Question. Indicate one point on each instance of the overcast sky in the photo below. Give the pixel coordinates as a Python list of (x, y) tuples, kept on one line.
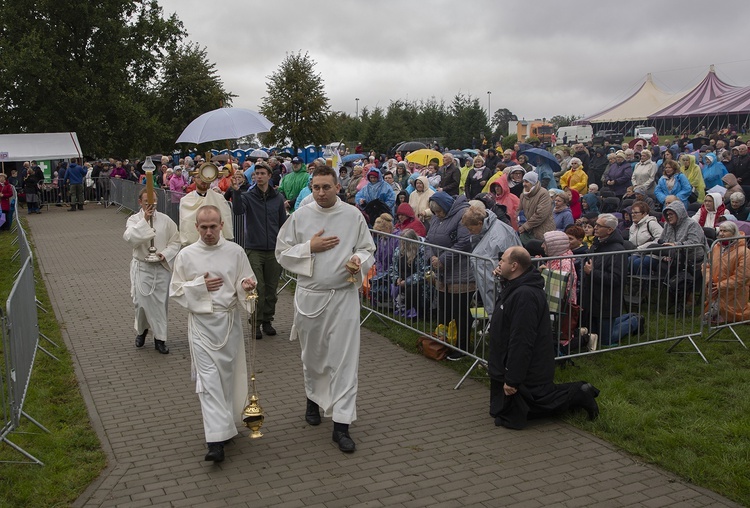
[(555, 58)]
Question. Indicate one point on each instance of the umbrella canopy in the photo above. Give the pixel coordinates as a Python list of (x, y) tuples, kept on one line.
[(459, 154), (224, 123), (699, 142), (471, 151), (222, 157), (635, 141), (410, 146), (258, 154), (353, 157), (424, 156), (537, 155)]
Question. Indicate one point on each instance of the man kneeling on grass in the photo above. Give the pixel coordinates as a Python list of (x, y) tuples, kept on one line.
[(522, 352)]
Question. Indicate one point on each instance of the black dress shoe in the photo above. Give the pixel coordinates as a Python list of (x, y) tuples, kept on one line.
[(140, 340), (161, 346), (215, 452), (258, 334), (312, 413), (344, 441), (268, 329), (589, 404)]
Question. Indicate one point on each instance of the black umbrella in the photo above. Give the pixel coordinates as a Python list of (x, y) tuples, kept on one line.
[(459, 154), (699, 142), (410, 146)]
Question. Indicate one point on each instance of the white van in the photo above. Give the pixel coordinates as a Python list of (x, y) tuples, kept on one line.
[(574, 134), (644, 132)]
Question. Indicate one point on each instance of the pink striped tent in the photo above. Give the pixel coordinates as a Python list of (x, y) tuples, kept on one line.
[(704, 93), (735, 102)]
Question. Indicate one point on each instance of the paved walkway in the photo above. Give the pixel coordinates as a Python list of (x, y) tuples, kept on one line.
[(419, 442)]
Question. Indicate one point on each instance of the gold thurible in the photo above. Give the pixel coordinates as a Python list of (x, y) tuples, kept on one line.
[(253, 414)]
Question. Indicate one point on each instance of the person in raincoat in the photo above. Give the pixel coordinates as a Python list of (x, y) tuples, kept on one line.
[(713, 171), (376, 188), (420, 198), (727, 276), (692, 171), (498, 186), (576, 177), (293, 183)]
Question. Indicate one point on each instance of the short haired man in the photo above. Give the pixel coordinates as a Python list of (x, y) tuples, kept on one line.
[(601, 285), (149, 282), (522, 353), (327, 244), (265, 213), (210, 279)]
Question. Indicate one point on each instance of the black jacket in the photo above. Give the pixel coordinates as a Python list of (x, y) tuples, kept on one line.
[(601, 290), (451, 180), (521, 348), (472, 186), (264, 216)]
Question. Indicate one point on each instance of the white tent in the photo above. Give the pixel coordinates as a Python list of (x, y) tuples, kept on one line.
[(47, 146), (645, 102)]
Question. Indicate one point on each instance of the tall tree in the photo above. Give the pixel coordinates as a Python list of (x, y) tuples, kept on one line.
[(189, 86), (467, 120), (296, 103), (500, 120), (82, 66), (563, 121)]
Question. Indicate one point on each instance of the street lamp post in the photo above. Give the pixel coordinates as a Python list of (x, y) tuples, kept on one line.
[(489, 108), (356, 114)]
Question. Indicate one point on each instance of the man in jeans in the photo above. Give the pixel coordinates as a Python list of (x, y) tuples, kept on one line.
[(264, 213)]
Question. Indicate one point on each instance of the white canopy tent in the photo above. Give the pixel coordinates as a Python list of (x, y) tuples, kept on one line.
[(46, 146)]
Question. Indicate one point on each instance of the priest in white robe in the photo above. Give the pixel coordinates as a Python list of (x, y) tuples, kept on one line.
[(149, 282), (326, 243), (191, 202), (210, 279)]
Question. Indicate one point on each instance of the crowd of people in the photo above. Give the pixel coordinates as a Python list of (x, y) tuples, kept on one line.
[(436, 235)]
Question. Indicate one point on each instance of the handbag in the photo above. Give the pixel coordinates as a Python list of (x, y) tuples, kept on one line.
[(432, 349)]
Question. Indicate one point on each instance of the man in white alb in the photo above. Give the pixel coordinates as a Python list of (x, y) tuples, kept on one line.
[(149, 282), (191, 203), (325, 243), (210, 280)]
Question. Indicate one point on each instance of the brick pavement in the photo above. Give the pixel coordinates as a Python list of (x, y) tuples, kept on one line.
[(419, 442)]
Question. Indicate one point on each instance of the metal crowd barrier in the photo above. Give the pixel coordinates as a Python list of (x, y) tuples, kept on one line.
[(650, 306), (726, 276), (20, 331)]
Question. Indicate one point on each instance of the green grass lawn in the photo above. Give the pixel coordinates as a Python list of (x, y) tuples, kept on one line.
[(671, 410), (72, 454)]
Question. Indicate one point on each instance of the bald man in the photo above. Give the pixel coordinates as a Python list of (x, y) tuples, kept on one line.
[(522, 352)]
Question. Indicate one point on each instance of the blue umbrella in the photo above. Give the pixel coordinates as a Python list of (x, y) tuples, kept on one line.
[(471, 151), (535, 156), (353, 157)]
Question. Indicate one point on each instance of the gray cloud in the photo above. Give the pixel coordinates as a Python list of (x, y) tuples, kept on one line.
[(538, 60)]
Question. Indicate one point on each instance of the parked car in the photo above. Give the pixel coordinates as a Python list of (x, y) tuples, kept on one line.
[(644, 132), (613, 137)]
